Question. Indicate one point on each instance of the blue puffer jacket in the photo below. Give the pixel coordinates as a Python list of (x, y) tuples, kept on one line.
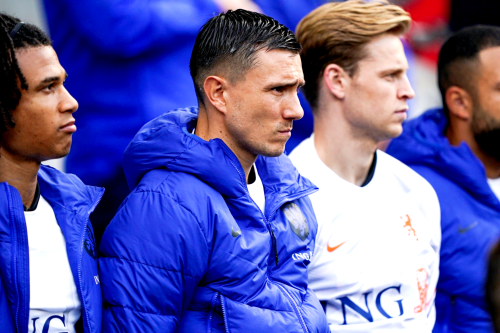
[(189, 251), (72, 203), (470, 220)]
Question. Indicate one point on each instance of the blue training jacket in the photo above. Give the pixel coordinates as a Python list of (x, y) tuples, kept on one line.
[(189, 251), (72, 203), (470, 220)]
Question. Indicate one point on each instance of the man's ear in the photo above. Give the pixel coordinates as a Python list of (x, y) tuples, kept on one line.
[(215, 88), (334, 77), (459, 103)]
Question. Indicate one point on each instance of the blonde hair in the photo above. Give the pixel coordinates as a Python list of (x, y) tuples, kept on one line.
[(337, 33)]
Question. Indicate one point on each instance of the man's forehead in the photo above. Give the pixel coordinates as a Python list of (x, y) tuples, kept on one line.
[(489, 57), (278, 62), (386, 50), (37, 63)]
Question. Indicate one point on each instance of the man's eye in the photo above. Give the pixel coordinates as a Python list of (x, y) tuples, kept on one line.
[(390, 77), (279, 89), (49, 87)]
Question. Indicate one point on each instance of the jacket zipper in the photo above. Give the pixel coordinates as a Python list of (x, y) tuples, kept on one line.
[(80, 288), (449, 311), (275, 209), (274, 240), (223, 307), (19, 242), (209, 324), (294, 305)]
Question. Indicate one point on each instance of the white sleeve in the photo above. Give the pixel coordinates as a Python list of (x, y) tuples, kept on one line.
[(433, 210)]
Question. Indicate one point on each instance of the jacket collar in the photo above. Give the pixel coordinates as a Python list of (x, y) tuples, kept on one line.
[(67, 192), (167, 142), (423, 142)]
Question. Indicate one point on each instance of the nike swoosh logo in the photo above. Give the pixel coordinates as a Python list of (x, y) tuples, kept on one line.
[(331, 249), (464, 230), (235, 233)]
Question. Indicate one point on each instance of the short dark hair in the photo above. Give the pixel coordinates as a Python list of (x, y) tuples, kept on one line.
[(458, 57), (229, 41), (26, 36)]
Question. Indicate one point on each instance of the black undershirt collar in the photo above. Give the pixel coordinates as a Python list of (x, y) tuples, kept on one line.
[(34, 204), (371, 171), (252, 177)]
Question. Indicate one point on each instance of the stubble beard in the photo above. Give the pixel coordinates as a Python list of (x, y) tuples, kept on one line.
[(486, 130)]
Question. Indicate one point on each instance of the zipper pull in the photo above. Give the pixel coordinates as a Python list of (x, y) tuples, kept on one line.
[(275, 246)]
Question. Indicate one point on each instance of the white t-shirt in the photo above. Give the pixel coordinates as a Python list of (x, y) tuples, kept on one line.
[(54, 301), (495, 186), (256, 190), (376, 259)]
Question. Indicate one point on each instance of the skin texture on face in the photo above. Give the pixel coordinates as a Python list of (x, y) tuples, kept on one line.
[(43, 118), (485, 124), (376, 96), (261, 108)]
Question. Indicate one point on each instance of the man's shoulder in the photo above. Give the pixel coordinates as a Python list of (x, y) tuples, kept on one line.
[(414, 173), (405, 176), (302, 149), (181, 187), (305, 158)]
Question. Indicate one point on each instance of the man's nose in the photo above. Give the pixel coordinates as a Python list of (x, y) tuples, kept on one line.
[(293, 110), (406, 91), (68, 103)]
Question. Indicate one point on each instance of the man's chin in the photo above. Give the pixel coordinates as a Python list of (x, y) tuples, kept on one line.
[(53, 155), (272, 152), (488, 142)]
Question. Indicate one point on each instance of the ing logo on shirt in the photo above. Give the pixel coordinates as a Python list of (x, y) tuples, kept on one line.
[(297, 220), (407, 225), (89, 243)]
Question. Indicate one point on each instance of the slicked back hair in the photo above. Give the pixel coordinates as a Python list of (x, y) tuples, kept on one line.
[(337, 33), (458, 62), (228, 44), (11, 77)]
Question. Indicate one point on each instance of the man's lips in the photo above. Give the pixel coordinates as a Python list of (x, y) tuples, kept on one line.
[(287, 131), (402, 113), (68, 127)]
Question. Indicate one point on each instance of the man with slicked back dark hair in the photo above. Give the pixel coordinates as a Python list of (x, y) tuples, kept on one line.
[(457, 149), (48, 265), (218, 231), (230, 44)]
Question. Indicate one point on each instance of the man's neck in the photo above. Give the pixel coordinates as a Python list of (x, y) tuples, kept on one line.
[(345, 153), (213, 130), (463, 134), (21, 174)]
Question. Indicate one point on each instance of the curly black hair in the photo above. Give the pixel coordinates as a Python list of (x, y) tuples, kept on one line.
[(11, 77)]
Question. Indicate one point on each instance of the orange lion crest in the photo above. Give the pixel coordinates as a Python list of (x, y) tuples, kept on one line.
[(409, 227)]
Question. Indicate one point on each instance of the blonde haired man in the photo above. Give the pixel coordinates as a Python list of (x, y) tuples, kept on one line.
[(376, 260)]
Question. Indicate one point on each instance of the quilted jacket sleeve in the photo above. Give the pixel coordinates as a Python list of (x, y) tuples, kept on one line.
[(153, 254)]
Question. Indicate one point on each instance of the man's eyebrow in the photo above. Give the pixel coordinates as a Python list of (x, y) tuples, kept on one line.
[(50, 79), (289, 84), (395, 70)]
